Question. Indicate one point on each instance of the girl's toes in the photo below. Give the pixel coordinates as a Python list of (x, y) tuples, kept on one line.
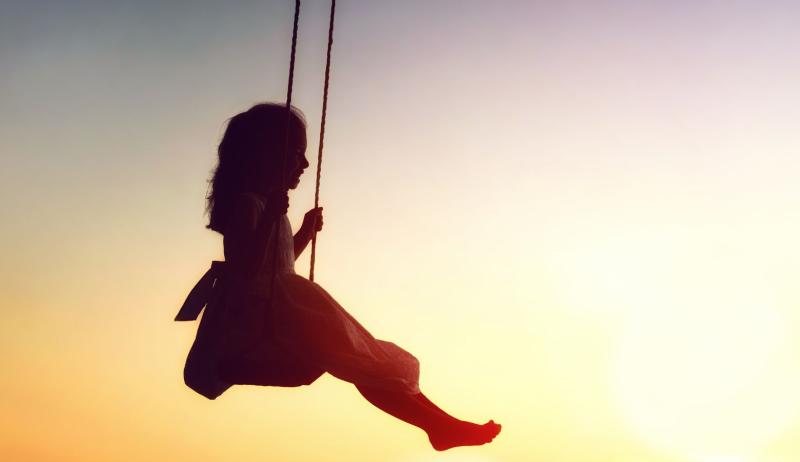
[(492, 429)]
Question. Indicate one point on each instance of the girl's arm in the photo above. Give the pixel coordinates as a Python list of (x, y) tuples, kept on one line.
[(312, 223)]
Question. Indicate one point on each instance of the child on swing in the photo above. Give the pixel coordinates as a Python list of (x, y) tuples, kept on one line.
[(265, 325)]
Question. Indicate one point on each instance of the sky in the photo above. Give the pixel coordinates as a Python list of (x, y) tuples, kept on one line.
[(581, 216)]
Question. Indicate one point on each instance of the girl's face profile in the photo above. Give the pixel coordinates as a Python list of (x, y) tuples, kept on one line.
[(268, 154), (296, 161)]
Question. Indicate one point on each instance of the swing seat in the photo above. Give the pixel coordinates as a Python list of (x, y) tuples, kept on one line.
[(268, 367), (210, 375)]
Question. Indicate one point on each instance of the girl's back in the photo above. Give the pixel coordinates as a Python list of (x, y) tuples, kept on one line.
[(249, 242)]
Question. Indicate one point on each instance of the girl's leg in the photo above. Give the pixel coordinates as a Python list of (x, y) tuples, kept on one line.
[(444, 431), (407, 408), (429, 404)]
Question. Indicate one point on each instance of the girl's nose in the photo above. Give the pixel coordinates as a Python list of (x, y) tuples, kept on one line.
[(304, 163)]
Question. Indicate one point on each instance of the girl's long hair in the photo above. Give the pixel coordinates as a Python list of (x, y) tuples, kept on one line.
[(250, 157)]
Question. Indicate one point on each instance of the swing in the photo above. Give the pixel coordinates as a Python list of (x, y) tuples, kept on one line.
[(266, 365), (263, 329)]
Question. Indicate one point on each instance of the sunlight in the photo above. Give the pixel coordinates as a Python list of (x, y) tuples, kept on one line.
[(698, 367), (722, 459), (703, 357), (447, 457)]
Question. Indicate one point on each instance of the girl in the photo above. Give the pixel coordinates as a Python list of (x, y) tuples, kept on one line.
[(266, 325)]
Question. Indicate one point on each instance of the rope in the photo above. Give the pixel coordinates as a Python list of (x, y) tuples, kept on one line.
[(322, 132), (277, 224), (289, 94)]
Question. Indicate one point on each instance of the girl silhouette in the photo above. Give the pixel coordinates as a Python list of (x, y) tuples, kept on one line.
[(265, 325)]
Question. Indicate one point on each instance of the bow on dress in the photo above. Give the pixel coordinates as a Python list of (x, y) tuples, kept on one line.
[(202, 292)]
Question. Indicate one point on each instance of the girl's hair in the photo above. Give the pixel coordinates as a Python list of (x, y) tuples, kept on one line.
[(251, 154)]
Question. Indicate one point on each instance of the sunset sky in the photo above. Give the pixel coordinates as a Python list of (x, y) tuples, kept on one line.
[(581, 216)]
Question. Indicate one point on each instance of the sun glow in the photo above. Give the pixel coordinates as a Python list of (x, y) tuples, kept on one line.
[(701, 363), (723, 459), (581, 217), (445, 457)]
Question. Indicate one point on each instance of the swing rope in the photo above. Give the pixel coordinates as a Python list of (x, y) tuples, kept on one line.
[(322, 133), (326, 86), (276, 226), (290, 85)]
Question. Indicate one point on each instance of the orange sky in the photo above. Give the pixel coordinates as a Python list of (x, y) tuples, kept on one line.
[(580, 216)]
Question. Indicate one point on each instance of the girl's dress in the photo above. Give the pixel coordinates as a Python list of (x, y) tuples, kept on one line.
[(246, 337)]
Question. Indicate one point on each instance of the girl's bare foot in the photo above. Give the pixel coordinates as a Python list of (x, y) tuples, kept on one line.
[(463, 434)]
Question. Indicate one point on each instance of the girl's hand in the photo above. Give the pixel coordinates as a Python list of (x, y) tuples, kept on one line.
[(312, 221)]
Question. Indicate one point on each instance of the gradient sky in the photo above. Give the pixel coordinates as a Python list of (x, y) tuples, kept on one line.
[(580, 215)]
